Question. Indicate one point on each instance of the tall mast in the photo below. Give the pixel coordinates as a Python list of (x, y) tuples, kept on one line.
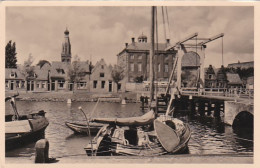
[(152, 57)]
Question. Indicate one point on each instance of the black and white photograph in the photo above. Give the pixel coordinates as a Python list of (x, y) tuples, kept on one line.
[(153, 84)]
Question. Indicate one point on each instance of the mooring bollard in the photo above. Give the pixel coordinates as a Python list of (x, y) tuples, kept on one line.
[(42, 151)]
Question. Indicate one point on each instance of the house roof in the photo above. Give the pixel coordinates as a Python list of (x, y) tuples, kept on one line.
[(146, 46), (41, 74), (190, 59), (17, 72), (59, 69), (136, 46), (233, 78)]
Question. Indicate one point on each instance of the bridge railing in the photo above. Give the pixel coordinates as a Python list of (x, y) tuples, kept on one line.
[(227, 92)]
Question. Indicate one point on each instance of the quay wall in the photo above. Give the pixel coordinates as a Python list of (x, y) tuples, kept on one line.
[(76, 97)]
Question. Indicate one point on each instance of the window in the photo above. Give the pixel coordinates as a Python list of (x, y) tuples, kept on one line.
[(102, 75), (17, 84), (139, 67), (12, 75), (94, 84), (132, 67), (210, 76), (82, 85), (61, 83), (38, 84), (43, 85), (22, 84), (6, 83), (159, 67), (103, 84), (132, 56), (139, 57), (102, 66), (166, 68)]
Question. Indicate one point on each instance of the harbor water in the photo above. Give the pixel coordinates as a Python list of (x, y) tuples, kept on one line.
[(209, 135)]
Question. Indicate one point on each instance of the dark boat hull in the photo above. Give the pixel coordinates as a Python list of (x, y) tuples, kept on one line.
[(17, 140), (83, 129), (29, 128)]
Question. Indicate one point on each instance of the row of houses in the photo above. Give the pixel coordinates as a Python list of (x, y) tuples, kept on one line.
[(56, 77), (218, 78)]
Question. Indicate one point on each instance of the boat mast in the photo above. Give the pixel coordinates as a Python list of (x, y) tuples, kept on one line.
[(152, 57)]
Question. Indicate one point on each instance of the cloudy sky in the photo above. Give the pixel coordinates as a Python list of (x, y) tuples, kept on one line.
[(101, 32)]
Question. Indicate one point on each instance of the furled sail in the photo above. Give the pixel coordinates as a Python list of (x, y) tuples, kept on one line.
[(133, 121)]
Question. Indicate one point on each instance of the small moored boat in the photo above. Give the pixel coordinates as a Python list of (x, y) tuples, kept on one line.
[(20, 129), (80, 128)]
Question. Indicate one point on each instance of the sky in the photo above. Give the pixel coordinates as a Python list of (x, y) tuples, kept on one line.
[(101, 32)]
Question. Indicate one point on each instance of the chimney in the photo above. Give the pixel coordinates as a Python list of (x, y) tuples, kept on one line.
[(126, 44), (133, 39)]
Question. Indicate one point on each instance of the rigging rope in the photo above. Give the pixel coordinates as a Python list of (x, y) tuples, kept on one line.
[(164, 27), (168, 22), (222, 50)]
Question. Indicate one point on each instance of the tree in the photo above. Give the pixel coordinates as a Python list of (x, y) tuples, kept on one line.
[(76, 72), (10, 55), (43, 62), (28, 69), (117, 74)]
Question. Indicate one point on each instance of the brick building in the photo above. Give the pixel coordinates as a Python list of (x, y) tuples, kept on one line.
[(135, 59)]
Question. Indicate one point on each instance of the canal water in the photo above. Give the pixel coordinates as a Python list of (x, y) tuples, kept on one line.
[(209, 135)]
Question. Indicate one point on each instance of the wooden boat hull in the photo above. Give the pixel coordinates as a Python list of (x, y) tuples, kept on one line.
[(106, 147), (83, 128), (29, 129)]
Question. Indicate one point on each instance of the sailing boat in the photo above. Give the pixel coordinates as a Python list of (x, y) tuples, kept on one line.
[(147, 135)]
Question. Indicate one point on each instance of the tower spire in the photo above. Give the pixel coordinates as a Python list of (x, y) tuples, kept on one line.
[(66, 48)]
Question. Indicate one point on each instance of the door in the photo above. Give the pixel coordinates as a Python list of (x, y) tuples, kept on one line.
[(71, 86), (28, 85), (52, 86), (32, 86), (110, 86), (12, 85)]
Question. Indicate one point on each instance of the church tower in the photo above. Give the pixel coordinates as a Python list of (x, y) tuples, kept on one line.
[(66, 48)]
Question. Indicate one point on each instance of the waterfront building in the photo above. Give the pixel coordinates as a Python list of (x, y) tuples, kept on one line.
[(41, 80), (14, 80), (134, 58), (101, 79)]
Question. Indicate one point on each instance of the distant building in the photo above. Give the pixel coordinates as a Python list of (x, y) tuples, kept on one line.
[(101, 79), (210, 77), (241, 65), (218, 78), (234, 80), (250, 83), (135, 59)]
